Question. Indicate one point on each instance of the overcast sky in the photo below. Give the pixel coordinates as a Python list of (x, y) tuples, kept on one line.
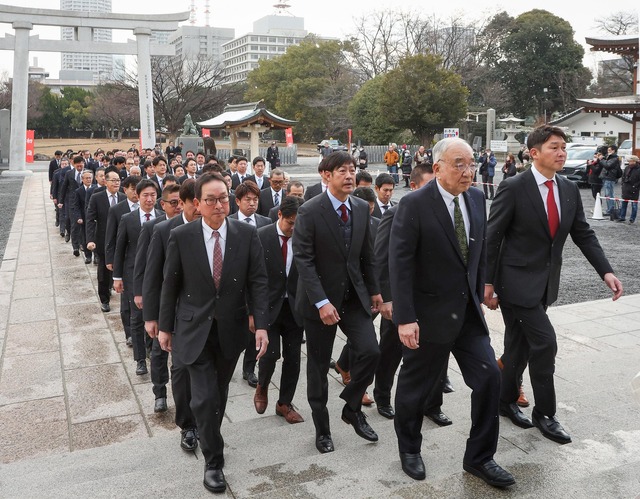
[(326, 17)]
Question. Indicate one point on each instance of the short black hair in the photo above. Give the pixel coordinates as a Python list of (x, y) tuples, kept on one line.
[(384, 178), (78, 159), (205, 179), (365, 193), (169, 189), (257, 159), (289, 206), (242, 158), (541, 134), (143, 184), (294, 183), (419, 171), (188, 190), (133, 180), (247, 187), (363, 175), (335, 160), (157, 160), (169, 178)]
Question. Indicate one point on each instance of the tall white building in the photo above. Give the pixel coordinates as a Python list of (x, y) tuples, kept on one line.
[(270, 38), (192, 42), (100, 65)]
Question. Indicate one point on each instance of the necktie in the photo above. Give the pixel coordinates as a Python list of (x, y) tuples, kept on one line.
[(343, 213), (113, 200), (217, 259), (276, 199), (552, 209), (241, 178), (385, 206), (248, 220), (461, 233), (78, 178), (285, 248), (135, 206), (147, 216)]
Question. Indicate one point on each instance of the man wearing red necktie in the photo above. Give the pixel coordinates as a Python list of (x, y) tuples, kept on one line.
[(531, 217)]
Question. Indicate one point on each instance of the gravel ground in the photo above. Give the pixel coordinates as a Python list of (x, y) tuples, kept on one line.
[(10, 188), (579, 282)]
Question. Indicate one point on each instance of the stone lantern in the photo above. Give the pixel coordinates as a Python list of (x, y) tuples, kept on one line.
[(511, 128)]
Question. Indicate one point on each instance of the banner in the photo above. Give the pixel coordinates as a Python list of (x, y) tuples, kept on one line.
[(206, 133), (349, 137), (30, 145), (140, 137), (288, 133)]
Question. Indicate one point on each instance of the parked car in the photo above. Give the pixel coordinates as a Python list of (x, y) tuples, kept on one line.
[(336, 145), (624, 150), (575, 168)]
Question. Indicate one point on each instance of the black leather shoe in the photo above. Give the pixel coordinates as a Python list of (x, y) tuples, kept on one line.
[(105, 307), (439, 418), (142, 368), (413, 465), (87, 260), (386, 411), (129, 342), (67, 237), (214, 480), (76, 252), (160, 405), (189, 439), (491, 473), (324, 443), (358, 420), (252, 379), (447, 387), (517, 417), (550, 428)]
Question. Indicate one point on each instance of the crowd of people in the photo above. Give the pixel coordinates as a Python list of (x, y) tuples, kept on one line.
[(215, 263)]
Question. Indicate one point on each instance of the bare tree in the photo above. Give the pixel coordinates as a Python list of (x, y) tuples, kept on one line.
[(115, 107)]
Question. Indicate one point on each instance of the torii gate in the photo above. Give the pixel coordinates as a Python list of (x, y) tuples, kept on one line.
[(23, 19)]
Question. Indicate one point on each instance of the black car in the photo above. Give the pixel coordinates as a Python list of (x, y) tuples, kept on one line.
[(576, 168)]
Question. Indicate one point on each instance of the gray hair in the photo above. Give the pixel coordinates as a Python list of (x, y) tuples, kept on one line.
[(443, 145)]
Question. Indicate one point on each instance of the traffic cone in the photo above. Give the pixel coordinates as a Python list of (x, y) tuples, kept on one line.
[(597, 209)]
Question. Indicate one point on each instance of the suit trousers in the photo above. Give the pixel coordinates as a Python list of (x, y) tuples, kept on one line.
[(77, 235), (422, 368), (529, 338), (159, 370), (136, 325), (356, 324), (249, 360), (284, 328), (105, 280), (125, 313), (181, 389), (210, 375)]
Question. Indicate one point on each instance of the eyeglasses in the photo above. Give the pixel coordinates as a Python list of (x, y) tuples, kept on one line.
[(114, 181), (173, 202), (462, 168), (214, 201)]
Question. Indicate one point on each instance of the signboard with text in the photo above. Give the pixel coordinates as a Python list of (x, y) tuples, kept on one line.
[(206, 133), (451, 132), (288, 133), (499, 145), (30, 145)]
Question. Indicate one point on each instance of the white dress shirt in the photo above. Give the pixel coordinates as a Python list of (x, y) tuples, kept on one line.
[(544, 190), (209, 240), (448, 201)]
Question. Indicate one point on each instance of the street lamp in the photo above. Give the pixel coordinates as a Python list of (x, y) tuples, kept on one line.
[(544, 102)]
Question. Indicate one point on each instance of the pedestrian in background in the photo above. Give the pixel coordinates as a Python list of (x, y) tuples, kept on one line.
[(630, 189)]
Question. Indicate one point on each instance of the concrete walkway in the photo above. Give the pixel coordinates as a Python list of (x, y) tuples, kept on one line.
[(77, 422)]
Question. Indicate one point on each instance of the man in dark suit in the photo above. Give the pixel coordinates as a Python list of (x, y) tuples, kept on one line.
[(241, 173), (79, 204), (54, 192), (436, 273), (100, 204), (271, 196), (71, 181), (151, 287), (531, 216), (294, 188), (247, 196), (318, 188), (214, 281), (334, 256), (170, 205), (283, 321), (124, 265), (261, 181), (190, 168), (54, 164), (384, 186)]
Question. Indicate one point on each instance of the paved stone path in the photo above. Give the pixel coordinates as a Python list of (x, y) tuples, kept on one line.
[(76, 421)]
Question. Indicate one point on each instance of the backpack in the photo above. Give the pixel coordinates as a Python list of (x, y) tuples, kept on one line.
[(618, 171)]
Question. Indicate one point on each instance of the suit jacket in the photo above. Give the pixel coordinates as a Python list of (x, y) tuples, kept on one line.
[(519, 245), (67, 186), (153, 276), (233, 206), (124, 258), (430, 283), (79, 202), (56, 183), (113, 220), (54, 164), (266, 201), (273, 213), (325, 266), (140, 264), (190, 301), (235, 180), (183, 178), (377, 211), (381, 252), (279, 282), (97, 216), (260, 220), (313, 191), (265, 182)]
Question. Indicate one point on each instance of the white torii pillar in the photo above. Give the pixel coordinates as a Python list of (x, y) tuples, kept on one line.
[(145, 88), (19, 95)]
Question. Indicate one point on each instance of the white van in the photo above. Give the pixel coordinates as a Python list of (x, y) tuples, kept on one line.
[(624, 150)]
